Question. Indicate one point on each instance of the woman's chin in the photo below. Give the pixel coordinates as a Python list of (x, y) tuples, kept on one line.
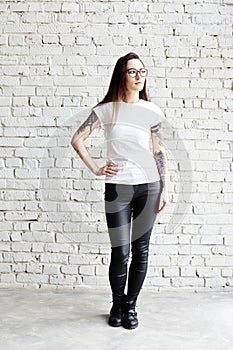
[(138, 87)]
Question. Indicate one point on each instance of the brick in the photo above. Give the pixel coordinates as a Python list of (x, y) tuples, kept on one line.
[(21, 247), (200, 8), (156, 281), (34, 268), (85, 259), (101, 271), (212, 240), (188, 271), (137, 7), (227, 272), (19, 195), (170, 271), (187, 281), (4, 101), (87, 270), (15, 40), (207, 271), (69, 270), (50, 269), (215, 282), (219, 261), (31, 278), (8, 278), (54, 258)]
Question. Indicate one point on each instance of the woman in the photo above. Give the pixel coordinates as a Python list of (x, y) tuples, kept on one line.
[(135, 182)]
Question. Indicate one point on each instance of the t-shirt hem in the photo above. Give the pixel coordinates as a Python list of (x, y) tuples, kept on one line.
[(132, 183)]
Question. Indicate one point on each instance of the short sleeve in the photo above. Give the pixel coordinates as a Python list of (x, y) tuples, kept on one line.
[(98, 113), (158, 116), (102, 112)]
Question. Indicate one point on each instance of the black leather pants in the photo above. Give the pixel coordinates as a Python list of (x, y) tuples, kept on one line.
[(130, 214)]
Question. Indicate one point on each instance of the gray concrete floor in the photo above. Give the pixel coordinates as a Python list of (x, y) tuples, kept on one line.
[(67, 320)]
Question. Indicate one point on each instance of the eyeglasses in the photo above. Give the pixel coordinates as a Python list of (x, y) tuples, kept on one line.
[(133, 72)]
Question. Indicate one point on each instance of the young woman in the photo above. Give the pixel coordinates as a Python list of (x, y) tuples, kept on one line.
[(135, 179)]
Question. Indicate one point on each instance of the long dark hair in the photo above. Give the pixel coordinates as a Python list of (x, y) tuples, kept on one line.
[(116, 90)]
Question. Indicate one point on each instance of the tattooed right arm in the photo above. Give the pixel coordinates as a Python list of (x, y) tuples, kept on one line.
[(80, 136), (86, 128)]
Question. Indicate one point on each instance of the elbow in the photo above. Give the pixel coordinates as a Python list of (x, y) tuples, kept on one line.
[(77, 145), (74, 144)]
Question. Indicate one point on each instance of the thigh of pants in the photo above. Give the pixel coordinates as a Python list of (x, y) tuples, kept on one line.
[(130, 204)]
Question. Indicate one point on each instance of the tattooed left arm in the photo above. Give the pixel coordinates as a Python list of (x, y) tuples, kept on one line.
[(160, 157)]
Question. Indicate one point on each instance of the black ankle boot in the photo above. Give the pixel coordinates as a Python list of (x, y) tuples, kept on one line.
[(130, 320), (116, 312)]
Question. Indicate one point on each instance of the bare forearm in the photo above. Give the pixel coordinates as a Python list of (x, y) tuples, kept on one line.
[(82, 151)]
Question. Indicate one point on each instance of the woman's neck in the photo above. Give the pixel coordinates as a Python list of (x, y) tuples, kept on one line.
[(131, 98)]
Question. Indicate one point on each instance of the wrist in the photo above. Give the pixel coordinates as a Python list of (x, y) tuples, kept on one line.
[(164, 189), (96, 171)]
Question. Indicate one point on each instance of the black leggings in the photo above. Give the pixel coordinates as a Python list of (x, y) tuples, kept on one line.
[(122, 204)]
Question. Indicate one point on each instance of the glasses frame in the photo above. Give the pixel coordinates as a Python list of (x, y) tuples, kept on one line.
[(137, 71)]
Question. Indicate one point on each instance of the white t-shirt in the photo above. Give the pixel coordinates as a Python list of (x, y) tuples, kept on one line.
[(128, 140)]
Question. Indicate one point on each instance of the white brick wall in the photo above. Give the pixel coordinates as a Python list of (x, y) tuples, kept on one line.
[(56, 59)]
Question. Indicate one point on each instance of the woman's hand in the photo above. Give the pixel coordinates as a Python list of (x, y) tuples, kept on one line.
[(110, 169), (164, 201)]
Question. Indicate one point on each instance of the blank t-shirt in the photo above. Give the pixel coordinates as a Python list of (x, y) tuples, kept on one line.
[(128, 140)]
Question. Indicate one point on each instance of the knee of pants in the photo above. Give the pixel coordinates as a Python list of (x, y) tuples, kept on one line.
[(140, 252), (120, 255)]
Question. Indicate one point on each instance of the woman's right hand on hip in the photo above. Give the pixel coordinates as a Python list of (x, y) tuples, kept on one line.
[(110, 169)]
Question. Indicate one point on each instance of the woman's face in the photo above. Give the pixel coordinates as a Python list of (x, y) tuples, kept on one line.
[(134, 83)]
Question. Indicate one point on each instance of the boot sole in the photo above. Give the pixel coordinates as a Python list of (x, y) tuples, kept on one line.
[(129, 327), (115, 325)]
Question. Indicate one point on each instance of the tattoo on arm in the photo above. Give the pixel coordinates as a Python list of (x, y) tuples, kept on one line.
[(88, 123), (160, 156), (161, 162), (155, 130)]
